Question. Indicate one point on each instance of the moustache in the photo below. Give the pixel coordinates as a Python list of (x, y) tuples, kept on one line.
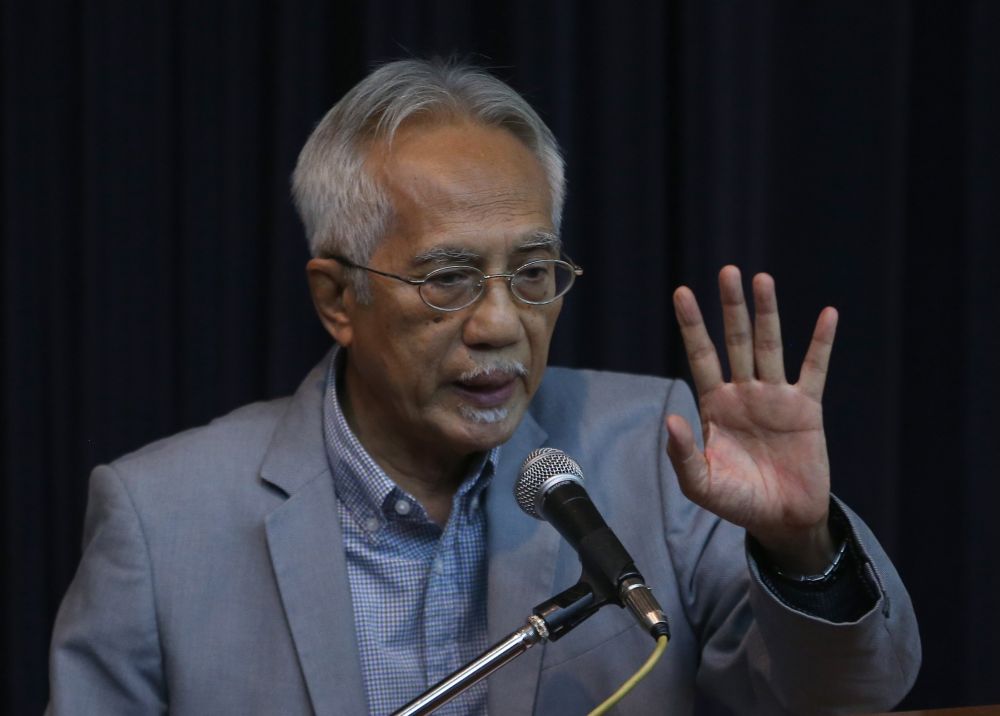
[(494, 367)]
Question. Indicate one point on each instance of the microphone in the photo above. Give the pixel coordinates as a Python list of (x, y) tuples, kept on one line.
[(550, 488)]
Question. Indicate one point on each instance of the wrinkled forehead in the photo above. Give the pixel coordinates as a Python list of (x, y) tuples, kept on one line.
[(458, 150), (457, 185)]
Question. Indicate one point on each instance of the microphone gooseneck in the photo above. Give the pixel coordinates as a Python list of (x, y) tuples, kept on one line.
[(550, 488)]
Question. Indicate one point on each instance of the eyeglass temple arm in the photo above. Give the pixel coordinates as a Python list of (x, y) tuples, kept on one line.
[(351, 264)]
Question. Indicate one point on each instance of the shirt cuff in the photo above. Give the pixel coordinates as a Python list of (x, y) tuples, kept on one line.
[(844, 597)]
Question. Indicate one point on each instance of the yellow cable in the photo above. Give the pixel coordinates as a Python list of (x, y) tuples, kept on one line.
[(661, 645)]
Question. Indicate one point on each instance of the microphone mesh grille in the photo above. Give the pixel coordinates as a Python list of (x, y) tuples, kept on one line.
[(539, 466)]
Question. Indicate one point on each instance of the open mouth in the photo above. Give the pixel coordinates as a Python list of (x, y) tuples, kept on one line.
[(487, 391)]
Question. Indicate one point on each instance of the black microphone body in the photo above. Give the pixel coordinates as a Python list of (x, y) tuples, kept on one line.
[(606, 562), (550, 487)]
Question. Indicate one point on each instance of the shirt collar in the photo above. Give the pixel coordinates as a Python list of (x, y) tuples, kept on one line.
[(366, 491)]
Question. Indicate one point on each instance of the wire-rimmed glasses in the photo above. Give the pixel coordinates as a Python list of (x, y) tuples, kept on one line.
[(452, 288)]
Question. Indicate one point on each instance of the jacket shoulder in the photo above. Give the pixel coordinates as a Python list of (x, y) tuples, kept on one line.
[(605, 378), (238, 439), (582, 408), (608, 392)]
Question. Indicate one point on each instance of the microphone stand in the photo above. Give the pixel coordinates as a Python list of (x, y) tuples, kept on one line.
[(550, 620)]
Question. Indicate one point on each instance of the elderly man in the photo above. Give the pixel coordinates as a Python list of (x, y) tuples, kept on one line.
[(340, 551)]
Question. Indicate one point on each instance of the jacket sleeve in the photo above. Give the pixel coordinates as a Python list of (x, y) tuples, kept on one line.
[(760, 655), (105, 655)]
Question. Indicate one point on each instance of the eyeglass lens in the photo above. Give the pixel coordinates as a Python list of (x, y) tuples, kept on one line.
[(455, 287)]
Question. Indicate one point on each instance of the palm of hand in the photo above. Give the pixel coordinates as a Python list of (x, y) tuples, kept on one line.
[(766, 456), (765, 464)]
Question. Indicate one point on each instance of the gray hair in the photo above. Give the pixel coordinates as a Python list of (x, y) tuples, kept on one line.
[(344, 209)]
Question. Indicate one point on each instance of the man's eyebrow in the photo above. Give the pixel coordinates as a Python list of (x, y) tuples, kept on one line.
[(454, 254), (439, 254), (540, 240)]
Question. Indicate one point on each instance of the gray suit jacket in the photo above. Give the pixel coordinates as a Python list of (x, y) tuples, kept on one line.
[(213, 578)]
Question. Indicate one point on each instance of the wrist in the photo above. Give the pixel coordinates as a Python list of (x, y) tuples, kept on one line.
[(803, 552)]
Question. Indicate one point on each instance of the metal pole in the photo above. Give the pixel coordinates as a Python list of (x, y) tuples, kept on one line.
[(445, 690)]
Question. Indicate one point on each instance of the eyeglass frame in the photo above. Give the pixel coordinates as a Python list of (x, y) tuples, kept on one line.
[(575, 272)]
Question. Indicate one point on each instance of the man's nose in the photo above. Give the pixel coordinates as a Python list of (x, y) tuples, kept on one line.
[(494, 320)]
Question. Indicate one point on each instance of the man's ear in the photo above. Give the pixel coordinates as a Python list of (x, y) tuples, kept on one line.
[(333, 297)]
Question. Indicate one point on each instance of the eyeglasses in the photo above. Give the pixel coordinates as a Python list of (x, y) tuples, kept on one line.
[(452, 288)]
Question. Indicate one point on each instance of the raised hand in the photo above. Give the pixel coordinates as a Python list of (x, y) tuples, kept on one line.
[(765, 464)]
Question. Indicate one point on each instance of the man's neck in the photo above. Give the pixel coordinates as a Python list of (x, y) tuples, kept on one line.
[(431, 477)]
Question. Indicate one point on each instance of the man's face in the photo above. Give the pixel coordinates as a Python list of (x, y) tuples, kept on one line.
[(450, 384)]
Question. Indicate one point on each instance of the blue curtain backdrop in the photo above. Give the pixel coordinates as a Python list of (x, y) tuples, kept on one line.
[(153, 266)]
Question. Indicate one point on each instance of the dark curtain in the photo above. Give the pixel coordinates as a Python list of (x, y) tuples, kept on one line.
[(153, 266)]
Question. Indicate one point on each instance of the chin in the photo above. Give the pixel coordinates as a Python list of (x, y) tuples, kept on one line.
[(488, 427), (484, 416)]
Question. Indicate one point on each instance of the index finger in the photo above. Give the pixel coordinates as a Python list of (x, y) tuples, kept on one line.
[(702, 356), (812, 377)]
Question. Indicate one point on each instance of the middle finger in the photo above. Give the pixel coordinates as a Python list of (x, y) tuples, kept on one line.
[(736, 324)]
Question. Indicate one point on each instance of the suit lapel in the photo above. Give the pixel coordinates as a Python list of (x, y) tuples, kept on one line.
[(522, 557), (306, 548), (307, 554), (304, 539)]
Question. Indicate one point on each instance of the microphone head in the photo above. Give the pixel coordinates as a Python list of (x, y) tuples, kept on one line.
[(542, 470)]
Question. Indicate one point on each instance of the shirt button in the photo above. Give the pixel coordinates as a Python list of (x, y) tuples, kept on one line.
[(438, 566), (403, 507), (372, 524)]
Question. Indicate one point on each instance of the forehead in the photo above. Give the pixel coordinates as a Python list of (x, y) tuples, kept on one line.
[(462, 185)]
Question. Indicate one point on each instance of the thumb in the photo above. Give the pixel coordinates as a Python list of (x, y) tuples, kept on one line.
[(689, 463)]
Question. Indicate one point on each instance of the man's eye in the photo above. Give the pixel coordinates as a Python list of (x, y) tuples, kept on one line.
[(451, 279), (534, 273)]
